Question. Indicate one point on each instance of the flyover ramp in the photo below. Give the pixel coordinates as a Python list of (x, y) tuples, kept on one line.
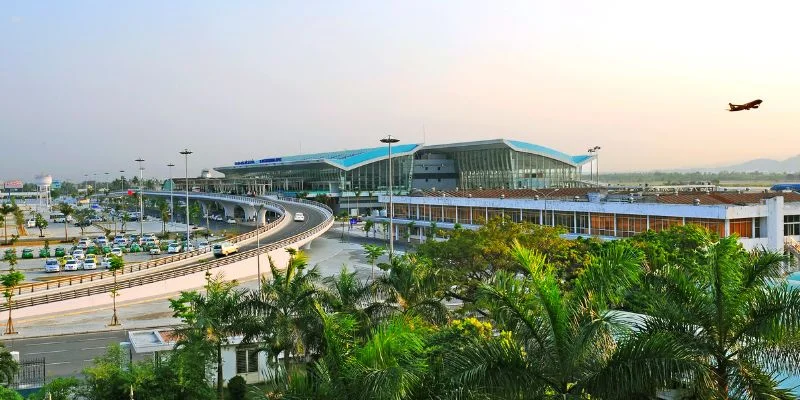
[(167, 279)]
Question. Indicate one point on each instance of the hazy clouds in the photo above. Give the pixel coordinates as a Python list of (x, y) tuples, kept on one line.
[(86, 87)]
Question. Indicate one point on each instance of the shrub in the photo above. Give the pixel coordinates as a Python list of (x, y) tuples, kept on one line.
[(237, 388), (8, 394)]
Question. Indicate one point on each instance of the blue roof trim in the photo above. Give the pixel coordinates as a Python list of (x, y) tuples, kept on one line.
[(535, 148), (344, 159)]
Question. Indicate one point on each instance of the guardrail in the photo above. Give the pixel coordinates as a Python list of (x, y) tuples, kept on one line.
[(79, 279), (158, 276)]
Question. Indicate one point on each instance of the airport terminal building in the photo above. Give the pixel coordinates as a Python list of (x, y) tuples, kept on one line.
[(498, 163)]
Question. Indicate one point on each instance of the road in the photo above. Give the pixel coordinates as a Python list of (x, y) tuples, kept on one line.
[(68, 355), (65, 355)]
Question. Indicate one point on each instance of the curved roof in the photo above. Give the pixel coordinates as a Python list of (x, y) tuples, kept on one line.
[(350, 159), (345, 159)]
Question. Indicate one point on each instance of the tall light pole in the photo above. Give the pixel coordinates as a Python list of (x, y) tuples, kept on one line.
[(141, 192), (546, 197), (107, 181), (122, 174), (186, 153), (171, 187), (390, 139), (86, 184), (596, 152), (258, 239)]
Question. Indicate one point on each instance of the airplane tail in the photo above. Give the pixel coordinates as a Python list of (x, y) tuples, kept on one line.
[(730, 105)]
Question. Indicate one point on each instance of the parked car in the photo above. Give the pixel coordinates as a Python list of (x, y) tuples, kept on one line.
[(106, 263), (116, 251), (79, 254), (72, 265), (90, 263), (106, 249), (299, 217), (27, 253), (150, 241), (60, 252), (31, 223), (44, 252), (231, 220), (101, 241), (92, 249), (120, 240), (203, 244), (154, 251), (135, 248), (51, 265), (174, 248)]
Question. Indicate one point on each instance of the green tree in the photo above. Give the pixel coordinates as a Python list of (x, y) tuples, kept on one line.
[(8, 394), (10, 281), (345, 293), (117, 264), (195, 212), (281, 314), (373, 253), (67, 210), (368, 226), (412, 286), (6, 209), (209, 320), (560, 344), (728, 309), (41, 223), (82, 218), (8, 366), (58, 389), (163, 210)]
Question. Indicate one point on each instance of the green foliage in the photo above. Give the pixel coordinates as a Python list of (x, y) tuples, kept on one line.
[(237, 388), (8, 366), (42, 224), (163, 210), (59, 389), (8, 394)]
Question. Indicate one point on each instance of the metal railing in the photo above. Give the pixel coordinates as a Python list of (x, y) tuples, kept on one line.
[(179, 271), (79, 279)]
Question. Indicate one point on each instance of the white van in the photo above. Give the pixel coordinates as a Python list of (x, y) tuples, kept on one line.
[(32, 223)]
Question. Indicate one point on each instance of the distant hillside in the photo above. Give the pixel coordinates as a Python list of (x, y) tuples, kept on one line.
[(760, 164)]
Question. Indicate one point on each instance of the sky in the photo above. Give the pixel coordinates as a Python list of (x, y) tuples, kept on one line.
[(86, 87)]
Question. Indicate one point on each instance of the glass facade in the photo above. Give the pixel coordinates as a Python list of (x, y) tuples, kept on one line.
[(497, 168)]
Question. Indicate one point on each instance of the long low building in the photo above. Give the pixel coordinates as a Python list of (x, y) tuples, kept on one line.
[(769, 219)]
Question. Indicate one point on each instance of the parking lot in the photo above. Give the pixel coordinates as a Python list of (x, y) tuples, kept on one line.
[(54, 233)]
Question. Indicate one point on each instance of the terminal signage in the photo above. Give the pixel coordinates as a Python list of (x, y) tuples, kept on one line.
[(56, 185), (15, 184), (269, 160)]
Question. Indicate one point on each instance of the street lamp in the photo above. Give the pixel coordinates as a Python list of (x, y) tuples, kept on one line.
[(258, 239), (107, 181), (141, 192), (596, 152), (390, 139), (171, 201), (122, 174), (186, 153)]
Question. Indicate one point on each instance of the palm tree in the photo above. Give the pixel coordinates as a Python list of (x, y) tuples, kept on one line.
[(6, 209), (345, 293), (281, 313), (10, 281), (209, 320), (163, 209), (729, 309), (373, 253), (67, 210), (565, 345), (8, 366), (412, 286)]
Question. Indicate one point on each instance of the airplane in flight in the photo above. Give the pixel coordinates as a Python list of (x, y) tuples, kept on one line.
[(745, 106)]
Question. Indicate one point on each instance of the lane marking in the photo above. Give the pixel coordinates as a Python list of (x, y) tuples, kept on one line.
[(94, 348), (59, 363), (46, 352), (44, 344)]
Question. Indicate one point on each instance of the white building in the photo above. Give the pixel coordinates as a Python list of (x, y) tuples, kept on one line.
[(769, 219), (237, 358)]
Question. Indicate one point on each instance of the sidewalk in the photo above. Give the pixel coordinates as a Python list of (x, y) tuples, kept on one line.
[(327, 252)]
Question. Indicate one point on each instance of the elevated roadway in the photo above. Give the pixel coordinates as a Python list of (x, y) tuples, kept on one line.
[(186, 271)]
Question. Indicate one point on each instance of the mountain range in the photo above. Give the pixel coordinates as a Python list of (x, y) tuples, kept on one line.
[(791, 164)]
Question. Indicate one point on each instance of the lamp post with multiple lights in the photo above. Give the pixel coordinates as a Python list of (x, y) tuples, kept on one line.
[(596, 152), (186, 153), (141, 192), (390, 139)]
